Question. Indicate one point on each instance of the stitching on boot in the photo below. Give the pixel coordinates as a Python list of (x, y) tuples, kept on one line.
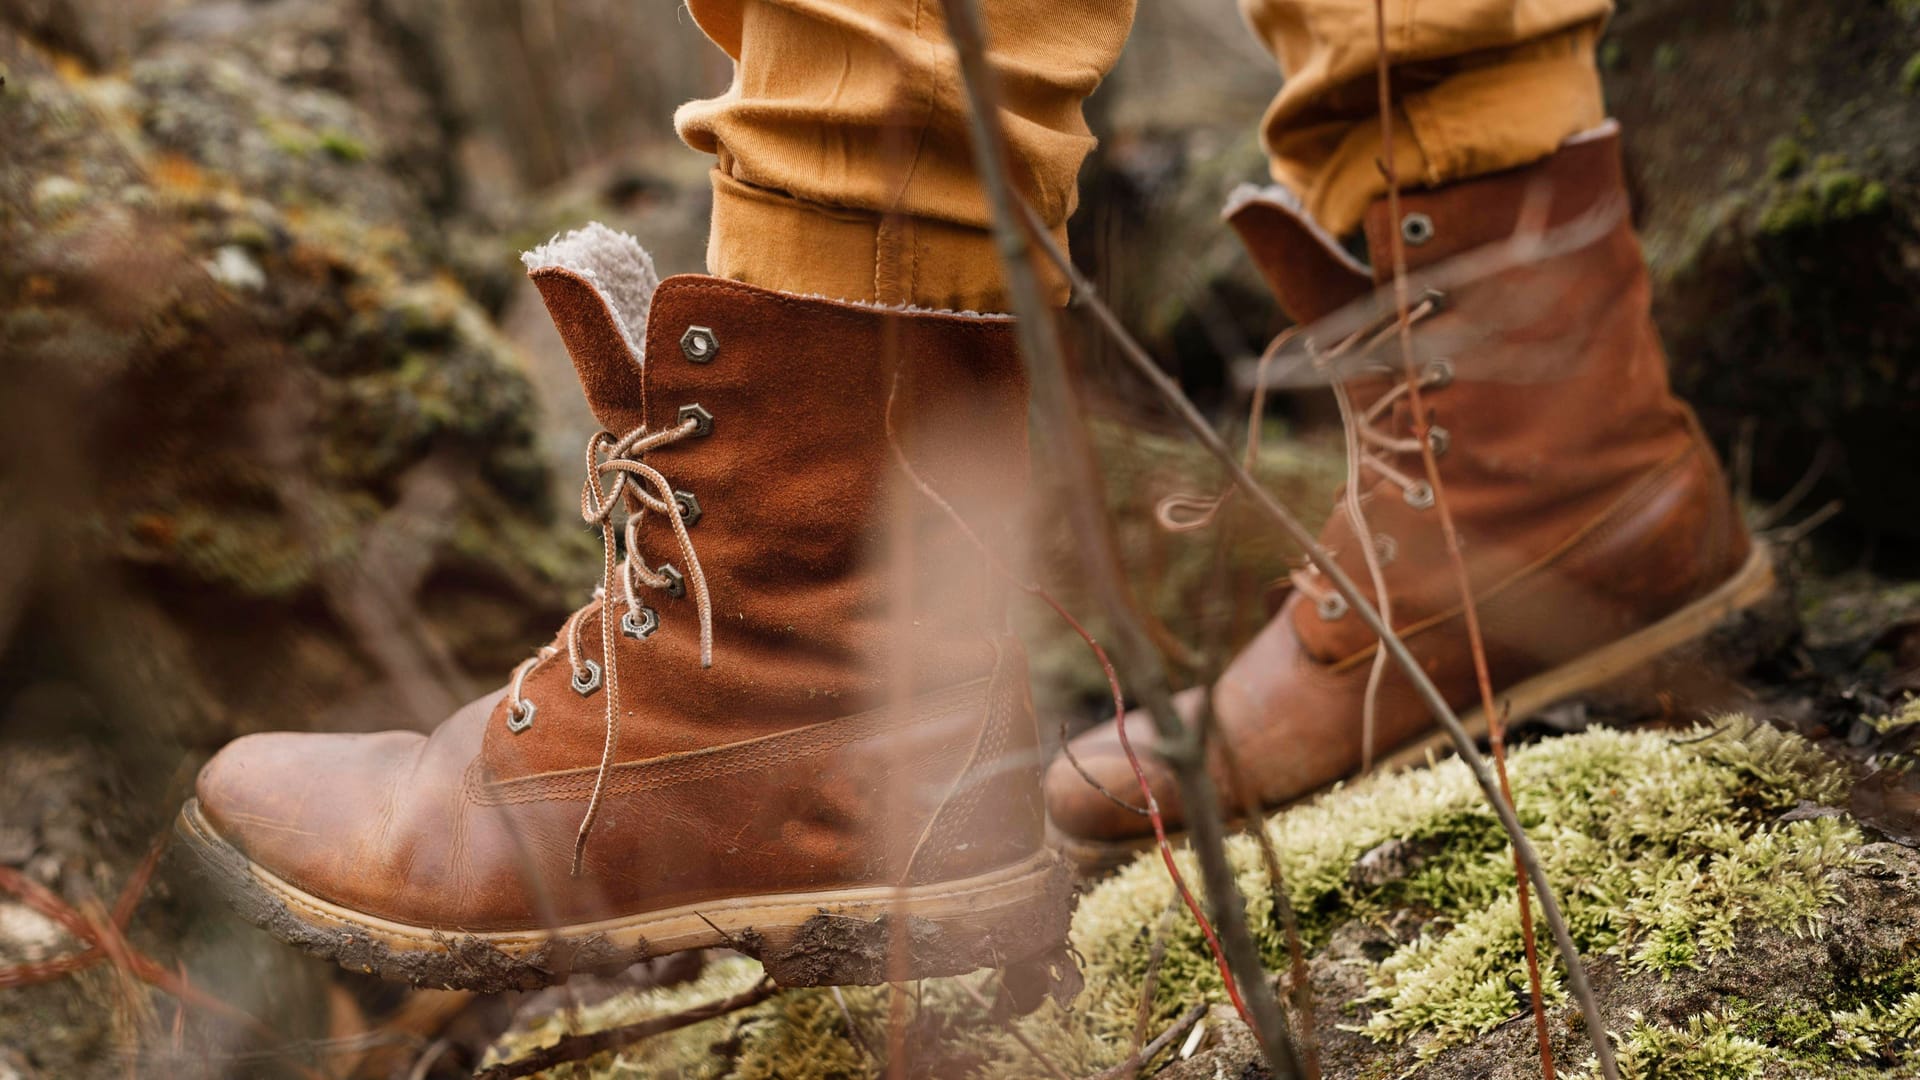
[(752, 755), (963, 795)]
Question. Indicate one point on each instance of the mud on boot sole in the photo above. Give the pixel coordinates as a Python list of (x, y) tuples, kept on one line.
[(1682, 661), (822, 938)]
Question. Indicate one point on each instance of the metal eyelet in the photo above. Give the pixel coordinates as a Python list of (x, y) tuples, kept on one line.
[(1333, 607), (676, 581), (699, 345), (520, 715), (689, 507), (1438, 373), (1438, 440), (643, 627), (702, 419), (1385, 548), (1420, 495), (1416, 228), (587, 685)]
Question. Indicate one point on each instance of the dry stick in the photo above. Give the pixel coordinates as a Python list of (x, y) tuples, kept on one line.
[(106, 941), (573, 1048), (1013, 1029), (900, 675), (1127, 1070), (1149, 988), (1496, 723), (1170, 392), (999, 567), (1243, 793), (1057, 409)]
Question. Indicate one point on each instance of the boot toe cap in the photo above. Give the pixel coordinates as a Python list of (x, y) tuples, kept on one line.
[(1080, 811), (289, 801)]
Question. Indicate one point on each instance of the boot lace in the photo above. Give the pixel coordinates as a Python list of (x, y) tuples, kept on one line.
[(615, 474), (1372, 448)]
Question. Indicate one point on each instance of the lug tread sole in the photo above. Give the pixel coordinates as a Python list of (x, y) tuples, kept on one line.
[(819, 938)]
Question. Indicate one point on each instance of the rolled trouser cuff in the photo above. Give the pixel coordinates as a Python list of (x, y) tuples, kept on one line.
[(1508, 108), (775, 241)]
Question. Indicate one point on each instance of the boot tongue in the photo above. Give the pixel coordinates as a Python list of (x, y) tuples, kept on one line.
[(1308, 271), (598, 285)]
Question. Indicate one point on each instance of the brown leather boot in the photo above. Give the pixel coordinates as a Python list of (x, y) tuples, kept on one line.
[(861, 749), (1599, 534)]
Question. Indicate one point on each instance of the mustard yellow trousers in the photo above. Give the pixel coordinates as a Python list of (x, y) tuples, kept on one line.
[(844, 167)]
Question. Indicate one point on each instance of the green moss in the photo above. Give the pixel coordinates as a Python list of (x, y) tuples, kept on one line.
[(342, 145), (1666, 849), (1826, 192), (1785, 157), (1906, 716), (1878, 1029), (1707, 1048), (1910, 74)]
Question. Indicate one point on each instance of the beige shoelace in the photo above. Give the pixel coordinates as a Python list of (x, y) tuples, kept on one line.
[(650, 489), (1368, 448)]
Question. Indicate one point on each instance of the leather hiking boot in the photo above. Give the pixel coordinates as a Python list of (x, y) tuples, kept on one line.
[(790, 723), (1605, 552)]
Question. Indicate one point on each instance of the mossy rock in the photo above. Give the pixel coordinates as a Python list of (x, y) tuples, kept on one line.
[(1733, 924)]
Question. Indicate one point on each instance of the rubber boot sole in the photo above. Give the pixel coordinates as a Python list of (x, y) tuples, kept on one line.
[(1728, 630), (825, 938)]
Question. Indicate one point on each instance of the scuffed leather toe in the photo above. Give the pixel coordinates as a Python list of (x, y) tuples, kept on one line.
[(278, 796)]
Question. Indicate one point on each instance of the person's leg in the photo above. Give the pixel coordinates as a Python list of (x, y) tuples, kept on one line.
[(844, 166), (1479, 86), (713, 751), (1595, 525)]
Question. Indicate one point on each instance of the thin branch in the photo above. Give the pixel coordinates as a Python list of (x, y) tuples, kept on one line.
[(1301, 977), (1799, 491), (1019, 1036), (1422, 429), (1150, 986), (106, 941), (1804, 527), (1085, 297), (573, 1048), (1057, 409), (1152, 810), (1161, 1042), (853, 1029)]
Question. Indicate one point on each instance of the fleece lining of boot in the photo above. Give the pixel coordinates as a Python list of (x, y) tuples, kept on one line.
[(618, 268), (622, 272)]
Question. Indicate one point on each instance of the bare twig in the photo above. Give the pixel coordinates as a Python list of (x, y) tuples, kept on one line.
[(1126, 1069), (1301, 978), (1496, 725), (1058, 411), (1086, 298), (1801, 529), (1152, 810), (1019, 1036), (853, 1029), (581, 1047), (106, 940), (1150, 982), (1798, 492)]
